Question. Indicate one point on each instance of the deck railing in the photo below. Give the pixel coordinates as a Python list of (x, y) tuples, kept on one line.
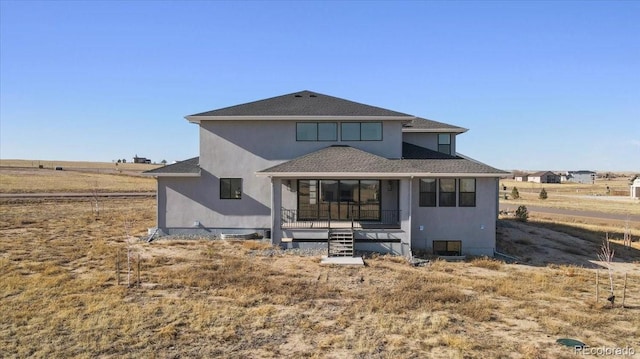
[(293, 218)]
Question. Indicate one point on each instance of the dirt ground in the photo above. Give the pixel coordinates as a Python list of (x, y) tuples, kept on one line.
[(541, 247)]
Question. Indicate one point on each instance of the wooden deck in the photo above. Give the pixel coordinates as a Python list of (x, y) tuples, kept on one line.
[(338, 224)]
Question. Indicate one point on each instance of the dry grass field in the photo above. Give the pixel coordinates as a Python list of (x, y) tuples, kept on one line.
[(202, 298), (582, 197), (78, 165), (22, 176)]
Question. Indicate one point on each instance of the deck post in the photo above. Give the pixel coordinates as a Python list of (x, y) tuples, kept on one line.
[(276, 211)]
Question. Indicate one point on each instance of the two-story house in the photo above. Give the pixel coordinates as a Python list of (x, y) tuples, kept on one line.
[(308, 170)]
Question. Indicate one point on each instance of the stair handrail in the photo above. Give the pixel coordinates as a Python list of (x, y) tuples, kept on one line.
[(351, 210)]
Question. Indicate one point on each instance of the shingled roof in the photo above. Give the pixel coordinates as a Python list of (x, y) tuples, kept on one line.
[(346, 160), (335, 159), (303, 103), (424, 125), (186, 167), (414, 152)]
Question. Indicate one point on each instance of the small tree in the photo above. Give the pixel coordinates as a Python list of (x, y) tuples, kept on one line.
[(626, 239), (543, 194), (164, 162), (522, 213), (514, 193), (606, 256), (95, 206)]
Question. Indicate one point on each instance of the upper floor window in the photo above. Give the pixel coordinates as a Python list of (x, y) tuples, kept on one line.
[(230, 188), (444, 143), (316, 131), (361, 131)]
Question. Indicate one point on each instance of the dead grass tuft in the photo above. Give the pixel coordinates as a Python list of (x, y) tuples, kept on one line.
[(487, 263), (256, 245)]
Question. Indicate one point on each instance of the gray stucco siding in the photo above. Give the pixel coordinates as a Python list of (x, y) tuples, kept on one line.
[(474, 226), (238, 149), (178, 192), (198, 200)]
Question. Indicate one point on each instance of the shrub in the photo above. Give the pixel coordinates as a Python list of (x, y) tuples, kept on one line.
[(543, 194), (514, 193), (522, 214)]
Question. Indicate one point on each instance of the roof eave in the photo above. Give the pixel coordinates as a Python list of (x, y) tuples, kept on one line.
[(435, 130), (197, 119), (386, 175), (166, 174)]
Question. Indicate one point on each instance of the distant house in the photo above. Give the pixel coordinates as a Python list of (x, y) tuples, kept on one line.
[(635, 188), (521, 178), (544, 177), (579, 177), (137, 159)]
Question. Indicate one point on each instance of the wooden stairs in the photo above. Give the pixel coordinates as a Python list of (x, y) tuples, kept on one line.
[(340, 242)]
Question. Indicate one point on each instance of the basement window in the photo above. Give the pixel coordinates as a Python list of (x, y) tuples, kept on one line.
[(447, 248)]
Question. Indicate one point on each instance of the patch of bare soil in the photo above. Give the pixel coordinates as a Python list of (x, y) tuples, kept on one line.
[(540, 247)]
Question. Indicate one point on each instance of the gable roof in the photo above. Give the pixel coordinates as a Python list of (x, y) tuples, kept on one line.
[(186, 168), (303, 103), (346, 161)]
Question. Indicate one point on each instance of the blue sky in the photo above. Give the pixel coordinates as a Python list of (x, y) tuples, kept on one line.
[(540, 85)]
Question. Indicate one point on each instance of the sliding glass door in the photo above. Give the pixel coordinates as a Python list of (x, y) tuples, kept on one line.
[(339, 199)]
